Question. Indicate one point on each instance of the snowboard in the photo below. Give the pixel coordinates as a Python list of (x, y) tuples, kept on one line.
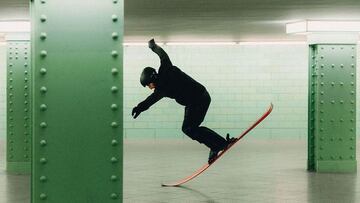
[(207, 165)]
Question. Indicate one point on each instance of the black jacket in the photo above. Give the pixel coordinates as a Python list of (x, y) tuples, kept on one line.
[(173, 83)]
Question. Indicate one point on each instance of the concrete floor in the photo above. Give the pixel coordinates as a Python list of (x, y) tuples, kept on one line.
[(253, 171)]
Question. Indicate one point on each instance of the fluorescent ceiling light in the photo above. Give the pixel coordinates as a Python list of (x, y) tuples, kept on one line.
[(313, 26), (200, 43), (14, 26), (273, 43)]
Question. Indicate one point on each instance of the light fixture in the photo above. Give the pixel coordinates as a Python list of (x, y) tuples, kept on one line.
[(321, 26), (199, 43), (14, 26)]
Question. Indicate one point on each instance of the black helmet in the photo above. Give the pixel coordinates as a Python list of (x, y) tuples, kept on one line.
[(148, 76)]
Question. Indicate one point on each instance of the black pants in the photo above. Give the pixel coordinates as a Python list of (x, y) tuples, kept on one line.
[(194, 116)]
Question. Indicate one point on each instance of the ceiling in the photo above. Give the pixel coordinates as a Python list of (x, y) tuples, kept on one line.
[(213, 20)]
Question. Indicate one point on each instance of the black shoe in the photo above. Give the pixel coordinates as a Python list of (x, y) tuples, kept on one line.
[(212, 155)]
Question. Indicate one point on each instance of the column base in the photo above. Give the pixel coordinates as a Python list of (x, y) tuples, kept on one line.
[(336, 166)]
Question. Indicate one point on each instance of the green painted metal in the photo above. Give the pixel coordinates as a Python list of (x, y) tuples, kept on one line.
[(311, 109), (77, 111), (332, 108), (18, 106)]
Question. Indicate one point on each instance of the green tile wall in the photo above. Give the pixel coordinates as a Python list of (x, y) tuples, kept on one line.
[(242, 81)]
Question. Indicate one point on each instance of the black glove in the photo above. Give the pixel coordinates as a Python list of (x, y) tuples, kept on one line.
[(135, 112), (152, 44)]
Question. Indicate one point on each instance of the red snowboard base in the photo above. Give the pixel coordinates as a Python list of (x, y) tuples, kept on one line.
[(203, 168)]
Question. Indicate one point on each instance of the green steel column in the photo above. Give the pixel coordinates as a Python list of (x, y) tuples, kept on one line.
[(77, 110), (18, 106), (311, 109), (332, 108)]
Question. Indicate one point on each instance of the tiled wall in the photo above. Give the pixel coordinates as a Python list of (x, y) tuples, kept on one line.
[(242, 81)]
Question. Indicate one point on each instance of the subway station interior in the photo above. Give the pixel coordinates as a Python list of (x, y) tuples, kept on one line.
[(179, 101)]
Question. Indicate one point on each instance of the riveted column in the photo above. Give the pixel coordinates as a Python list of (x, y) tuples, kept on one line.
[(77, 147), (332, 110), (18, 104)]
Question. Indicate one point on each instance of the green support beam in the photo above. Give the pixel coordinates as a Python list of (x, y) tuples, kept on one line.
[(18, 106), (77, 108), (332, 108)]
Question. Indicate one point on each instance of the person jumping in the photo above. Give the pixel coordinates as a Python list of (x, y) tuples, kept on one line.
[(171, 82)]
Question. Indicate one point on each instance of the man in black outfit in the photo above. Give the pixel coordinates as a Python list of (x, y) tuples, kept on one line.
[(171, 82)]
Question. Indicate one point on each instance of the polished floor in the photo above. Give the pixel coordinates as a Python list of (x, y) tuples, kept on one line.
[(253, 171)]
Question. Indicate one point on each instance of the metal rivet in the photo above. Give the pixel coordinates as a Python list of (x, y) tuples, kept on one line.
[(114, 71), (114, 53), (43, 107), (333, 65), (114, 18), (114, 160), (114, 107), (114, 142), (43, 160), (43, 53), (43, 143), (115, 1), (114, 89), (114, 196), (114, 124), (342, 65), (43, 18), (43, 196), (113, 178), (332, 83), (333, 102), (43, 89), (43, 179), (43, 125), (43, 35), (42, 71), (115, 35), (341, 83), (43, 1)]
